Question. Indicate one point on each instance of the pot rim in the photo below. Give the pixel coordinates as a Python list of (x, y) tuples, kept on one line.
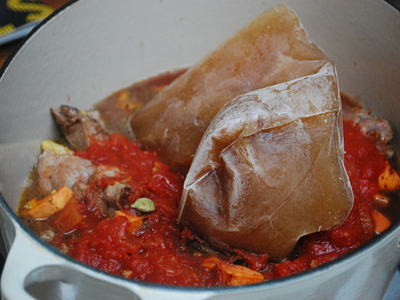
[(368, 246)]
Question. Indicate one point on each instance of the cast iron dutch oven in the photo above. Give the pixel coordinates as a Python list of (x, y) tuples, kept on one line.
[(91, 48)]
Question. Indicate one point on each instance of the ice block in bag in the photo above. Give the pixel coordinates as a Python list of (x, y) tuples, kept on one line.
[(270, 169), (273, 48)]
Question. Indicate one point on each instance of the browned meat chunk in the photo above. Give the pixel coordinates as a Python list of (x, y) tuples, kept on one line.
[(77, 126), (375, 127), (80, 189), (117, 195), (57, 170), (114, 196)]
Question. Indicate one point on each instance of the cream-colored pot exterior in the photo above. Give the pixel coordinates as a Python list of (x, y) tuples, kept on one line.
[(92, 48)]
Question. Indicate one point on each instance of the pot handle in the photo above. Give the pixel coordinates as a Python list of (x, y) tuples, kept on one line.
[(24, 257), (33, 272)]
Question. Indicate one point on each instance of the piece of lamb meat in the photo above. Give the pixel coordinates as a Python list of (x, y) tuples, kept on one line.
[(378, 129), (117, 195), (57, 170), (77, 126)]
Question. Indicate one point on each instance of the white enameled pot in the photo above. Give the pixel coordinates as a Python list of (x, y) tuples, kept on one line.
[(91, 48)]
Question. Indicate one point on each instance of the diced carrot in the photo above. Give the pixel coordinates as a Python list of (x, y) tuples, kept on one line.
[(210, 263), (389, 180), (134, 221), (381, 222), (68, 218), (232, 274), (61, 197), (50, 205), (126, 273), (239, 275), (31, 204), (381, 201)]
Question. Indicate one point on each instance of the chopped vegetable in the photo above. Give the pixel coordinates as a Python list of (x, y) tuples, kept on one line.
[(389, 180), (68, 218), (232, 274), (31, 204), (144, 205), (127, 273), (55, 147), (381, 201), (211, 262), (381, 222), (50, 205), (239, 275), (134, 221)]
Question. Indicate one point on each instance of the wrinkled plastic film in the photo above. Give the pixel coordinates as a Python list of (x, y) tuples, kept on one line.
[(273, 48), (270, 168)]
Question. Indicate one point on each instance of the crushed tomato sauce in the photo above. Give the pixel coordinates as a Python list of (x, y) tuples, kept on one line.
[(160, 251)]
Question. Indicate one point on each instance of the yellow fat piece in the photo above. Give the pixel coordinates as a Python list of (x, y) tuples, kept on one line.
[(55, 147)]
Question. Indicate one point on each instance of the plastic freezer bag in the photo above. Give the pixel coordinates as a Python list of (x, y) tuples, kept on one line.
[(270, 169)]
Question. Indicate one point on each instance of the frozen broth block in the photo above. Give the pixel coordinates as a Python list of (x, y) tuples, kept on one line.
[(269, 168), (273, 48)]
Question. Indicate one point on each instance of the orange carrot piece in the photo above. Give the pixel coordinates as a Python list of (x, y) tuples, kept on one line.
[(389, 180), (134, 221), (239, 275), (49, 205), (31, 204), (68, 218), (210, 263), (381, 201), (381, 222)]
